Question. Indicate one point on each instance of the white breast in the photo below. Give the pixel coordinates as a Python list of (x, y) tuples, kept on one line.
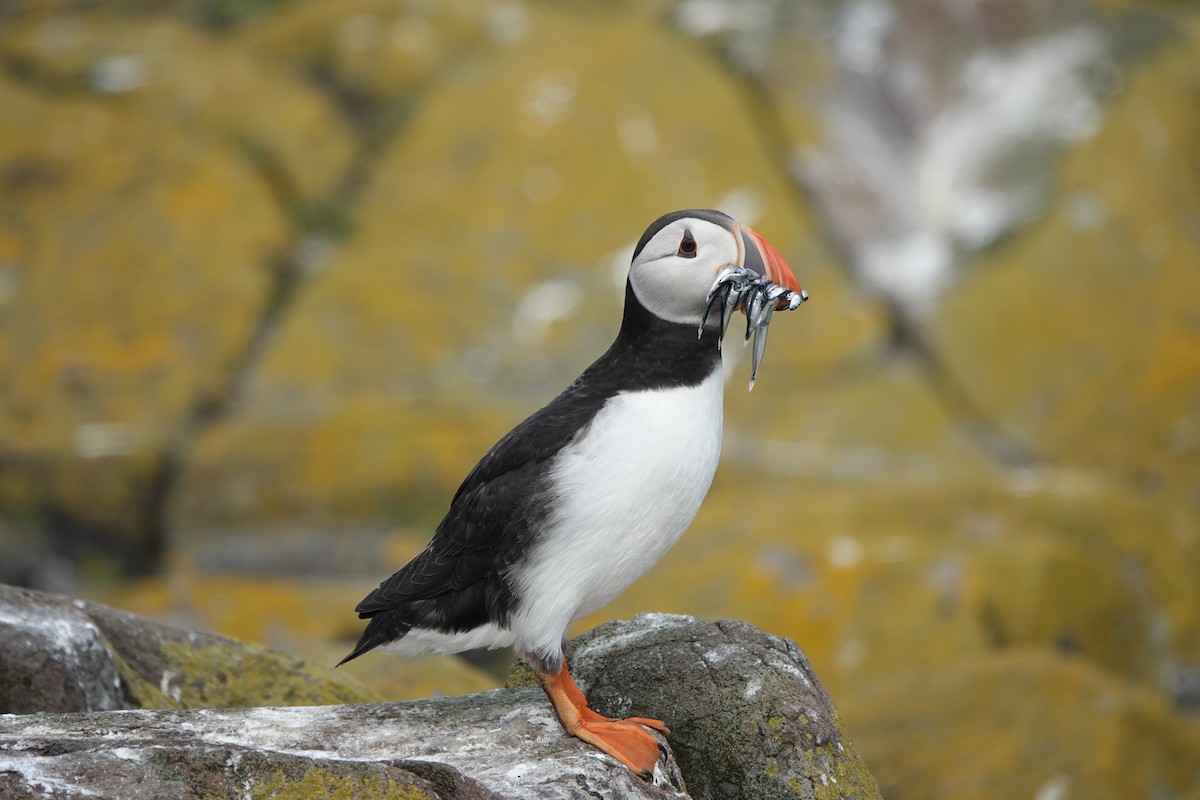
[(626, 490)]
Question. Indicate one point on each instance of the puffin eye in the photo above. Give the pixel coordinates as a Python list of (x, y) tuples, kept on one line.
[(687, 246)]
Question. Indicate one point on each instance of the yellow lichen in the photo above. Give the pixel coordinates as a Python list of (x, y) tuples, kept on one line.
[(317, 782), (249, 675)]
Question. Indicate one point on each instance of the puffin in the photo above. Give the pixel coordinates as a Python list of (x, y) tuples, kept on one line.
[(581, 498)]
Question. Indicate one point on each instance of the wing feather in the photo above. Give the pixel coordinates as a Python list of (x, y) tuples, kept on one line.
[(498, 510)]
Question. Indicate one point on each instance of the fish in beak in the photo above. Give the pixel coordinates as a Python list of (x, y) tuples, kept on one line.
[(760, 256), (761, 284)]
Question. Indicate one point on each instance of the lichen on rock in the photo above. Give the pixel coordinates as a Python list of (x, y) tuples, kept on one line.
[(748, 716), (73, 655), (750, 719)]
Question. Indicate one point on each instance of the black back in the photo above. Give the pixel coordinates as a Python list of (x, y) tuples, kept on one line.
[(461, 579)]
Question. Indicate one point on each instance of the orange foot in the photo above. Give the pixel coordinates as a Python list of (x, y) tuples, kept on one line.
[(623, 739)]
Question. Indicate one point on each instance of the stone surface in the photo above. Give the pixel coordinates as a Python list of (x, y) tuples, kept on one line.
[(117, 315), (206, 772), (1024, 724), (62, 654), (155, 182), (1095, 356), (311, 618), (748, 716), (502, 743), (54, 657)]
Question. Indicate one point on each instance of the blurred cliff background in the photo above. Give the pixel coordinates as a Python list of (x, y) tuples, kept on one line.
[(275, 273)]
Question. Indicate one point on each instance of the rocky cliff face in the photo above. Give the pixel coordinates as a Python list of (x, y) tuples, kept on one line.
[(273, 275), (750, 719)]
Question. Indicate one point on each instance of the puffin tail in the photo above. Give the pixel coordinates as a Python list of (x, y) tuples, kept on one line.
[(381, 629)]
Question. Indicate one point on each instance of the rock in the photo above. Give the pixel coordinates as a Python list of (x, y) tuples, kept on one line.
[(748, 716), (209, 771), (62, 655), (309, 616), (1061, 598), (503, 743), (154, 182), (1023, 724), (209, 86), (129, 310), (372, 50), (54, 658), (1052, 334)]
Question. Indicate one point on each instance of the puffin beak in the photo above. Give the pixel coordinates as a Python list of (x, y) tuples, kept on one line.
[(760, 256)]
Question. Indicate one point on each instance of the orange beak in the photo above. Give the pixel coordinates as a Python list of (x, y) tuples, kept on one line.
[(760, 256)]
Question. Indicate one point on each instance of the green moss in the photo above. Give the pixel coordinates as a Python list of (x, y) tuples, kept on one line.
[(243, 675), (521, 677), (316, 782), (249, 675), (846, 769), (144, 693)]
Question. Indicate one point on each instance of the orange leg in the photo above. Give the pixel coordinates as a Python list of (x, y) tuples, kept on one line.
[(623, 739)]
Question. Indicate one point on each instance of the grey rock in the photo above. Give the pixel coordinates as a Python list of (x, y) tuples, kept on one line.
[(53, 657), (204, 772), (748, 717), (503, 743), (64, 654)]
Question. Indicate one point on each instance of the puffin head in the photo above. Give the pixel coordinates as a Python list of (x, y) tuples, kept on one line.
[(680, 255)]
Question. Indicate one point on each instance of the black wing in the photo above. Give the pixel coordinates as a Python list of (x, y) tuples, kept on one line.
[(457, 581)]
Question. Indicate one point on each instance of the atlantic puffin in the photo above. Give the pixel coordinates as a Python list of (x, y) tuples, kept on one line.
[(583, 497)]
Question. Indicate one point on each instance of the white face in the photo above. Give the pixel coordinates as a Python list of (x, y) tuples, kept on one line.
[(672, 274)]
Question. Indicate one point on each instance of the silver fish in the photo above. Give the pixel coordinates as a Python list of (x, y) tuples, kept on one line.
[(758, 298), (732, 300), (756, 354), (754, 301)]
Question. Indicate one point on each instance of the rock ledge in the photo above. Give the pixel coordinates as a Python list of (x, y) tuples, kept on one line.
[(749, 719)]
